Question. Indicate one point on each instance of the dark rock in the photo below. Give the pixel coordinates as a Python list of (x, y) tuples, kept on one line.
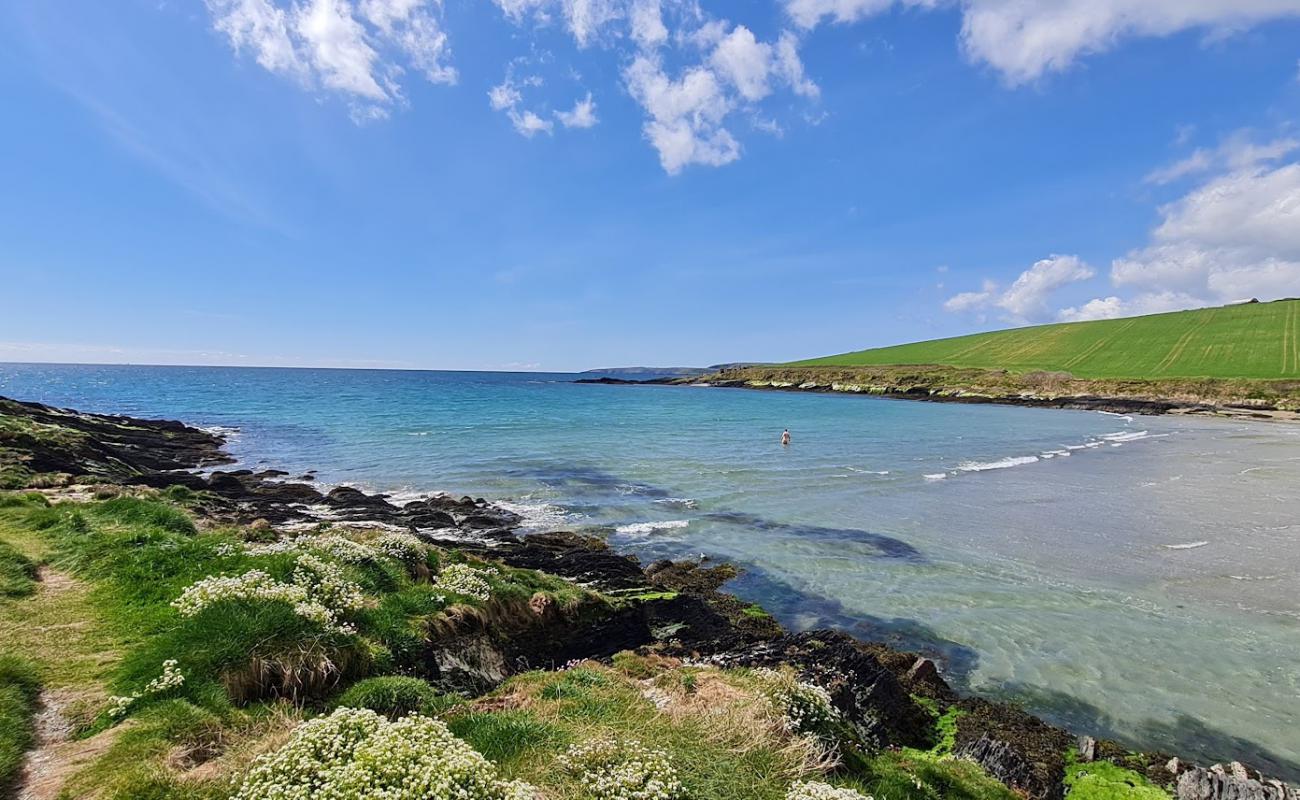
[(923, 678), (870, 697), (1009, 765), (1207, 784), (1020, 750)]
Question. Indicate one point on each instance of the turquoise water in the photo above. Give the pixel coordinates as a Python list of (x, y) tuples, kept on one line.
[(1136, 577)]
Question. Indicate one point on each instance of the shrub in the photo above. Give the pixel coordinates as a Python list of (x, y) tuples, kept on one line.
[(812, 790), (394, 696), (355, 753), (613, 769)]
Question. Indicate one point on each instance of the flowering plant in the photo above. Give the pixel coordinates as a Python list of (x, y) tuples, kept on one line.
[(355, 753), (812, 790), (171, 678), (612, 769), (806, 706), (400, 546), (466, 580)]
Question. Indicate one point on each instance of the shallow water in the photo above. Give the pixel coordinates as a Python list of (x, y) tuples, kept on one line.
[(1135, 577)]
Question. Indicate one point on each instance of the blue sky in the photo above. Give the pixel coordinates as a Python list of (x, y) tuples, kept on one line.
[(563, 184)]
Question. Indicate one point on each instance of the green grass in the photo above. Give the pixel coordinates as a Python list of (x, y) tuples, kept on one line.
[(19, 686), (1258, 340)]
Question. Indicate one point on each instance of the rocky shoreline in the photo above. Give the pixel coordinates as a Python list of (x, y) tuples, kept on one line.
[(888, 697), (1275, 401)]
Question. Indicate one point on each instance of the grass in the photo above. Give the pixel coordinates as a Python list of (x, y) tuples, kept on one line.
[(717, 727), (19, 686), (1254, 341)]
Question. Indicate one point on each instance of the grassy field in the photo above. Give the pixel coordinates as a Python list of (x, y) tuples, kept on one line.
[(1257, 340)]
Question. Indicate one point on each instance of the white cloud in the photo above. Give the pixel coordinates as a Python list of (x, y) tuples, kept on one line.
[(586, 18), (357, 49), (528, 124), (1113, 307), (336, 46), (506, 97), (686, 115), (648, 29), (262, 27), (743, 61), (1233, 237), (1026, 299), (1025, 39), (583, 114), (409, 24), (1237, 152)]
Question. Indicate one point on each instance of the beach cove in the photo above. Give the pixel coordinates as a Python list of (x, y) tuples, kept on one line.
[(1069, 560)]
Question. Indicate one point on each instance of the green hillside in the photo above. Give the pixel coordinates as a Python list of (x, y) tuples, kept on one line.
[(1256, 340)]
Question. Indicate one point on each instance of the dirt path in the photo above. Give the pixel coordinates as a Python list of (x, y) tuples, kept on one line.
[(56, 756)]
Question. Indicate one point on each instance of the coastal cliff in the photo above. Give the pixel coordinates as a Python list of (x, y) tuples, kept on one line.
[(227, 608), (1254, 399)]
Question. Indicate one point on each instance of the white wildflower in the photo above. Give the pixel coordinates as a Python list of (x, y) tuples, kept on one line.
[(612, 769), (806, 706), (812, 790), (325, 583), (171, 678), (355, 753), (400, 546), (118, 705), (466, 580)]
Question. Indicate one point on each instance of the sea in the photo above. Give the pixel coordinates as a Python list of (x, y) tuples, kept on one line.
[(1134, 577)]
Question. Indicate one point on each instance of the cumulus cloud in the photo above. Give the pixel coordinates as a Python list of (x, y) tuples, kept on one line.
[(1114, 307), (1025, 39), (1027, 298), (357, 49), (1234, 236), (583, 114), (685, 115)]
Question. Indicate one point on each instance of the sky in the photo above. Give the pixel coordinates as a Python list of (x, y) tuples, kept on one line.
[(570, 184)]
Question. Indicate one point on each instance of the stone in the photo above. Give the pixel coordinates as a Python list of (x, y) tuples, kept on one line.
[(1087, 749)]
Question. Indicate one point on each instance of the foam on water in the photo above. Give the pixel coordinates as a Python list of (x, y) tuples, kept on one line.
[(1001, 463), (646, 528)]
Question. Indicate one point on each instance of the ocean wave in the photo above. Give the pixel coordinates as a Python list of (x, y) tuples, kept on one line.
[(644, 528), (678, 502), (1002, 463), (1187, 546), (1124, 417), (1125, 436), (221, 430), (538, 515), (935, 476)]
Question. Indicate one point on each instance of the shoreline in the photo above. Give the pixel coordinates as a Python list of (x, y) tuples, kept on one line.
[(810, 380), (716, 626)]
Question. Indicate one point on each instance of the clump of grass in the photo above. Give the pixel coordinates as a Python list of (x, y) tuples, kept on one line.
[(19, 687), (17, 572), (395, 696)]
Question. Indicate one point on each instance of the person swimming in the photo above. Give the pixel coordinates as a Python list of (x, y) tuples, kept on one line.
[(785, 436)]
